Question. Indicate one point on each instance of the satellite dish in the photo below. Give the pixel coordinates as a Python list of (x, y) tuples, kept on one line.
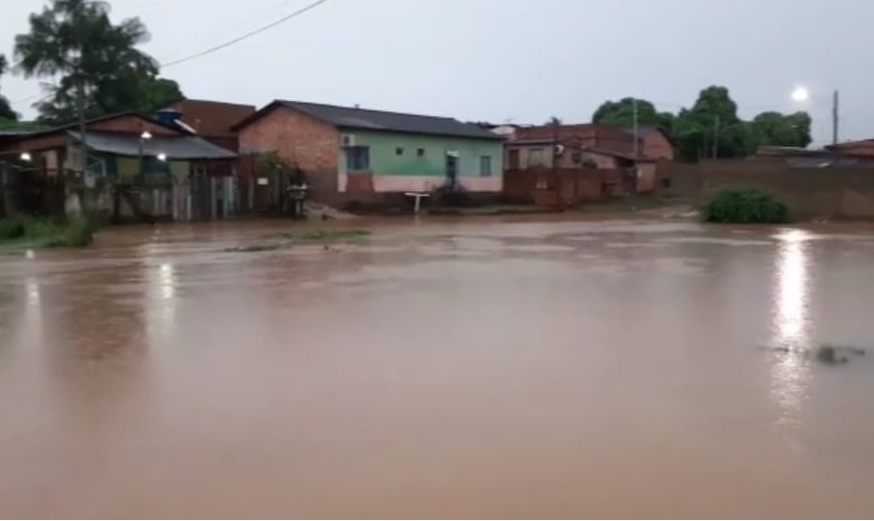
[(559, 150)]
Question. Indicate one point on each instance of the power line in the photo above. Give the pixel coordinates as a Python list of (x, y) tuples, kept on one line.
[(246, 35), (42, 97), (238, 25)]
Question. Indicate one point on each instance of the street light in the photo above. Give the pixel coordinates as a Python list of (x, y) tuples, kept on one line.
[(162, 157), (145, 136), (802, 95), (26, 157)]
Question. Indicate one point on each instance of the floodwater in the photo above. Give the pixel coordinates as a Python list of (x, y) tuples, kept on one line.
[(486, 368)]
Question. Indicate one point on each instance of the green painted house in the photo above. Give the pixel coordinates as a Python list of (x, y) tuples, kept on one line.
[(349, 150)]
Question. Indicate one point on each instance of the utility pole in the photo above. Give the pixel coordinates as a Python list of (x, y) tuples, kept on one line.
[(636, 145), (835, 117), (555, 158), (716, 137), (80, 114), (636, 128)]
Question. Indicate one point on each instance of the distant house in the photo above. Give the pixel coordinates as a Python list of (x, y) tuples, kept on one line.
[(831, 156), (163, 171), (860, 148), (587, 135), (655, 142), (583, 148), (349, 152), (211, 120)]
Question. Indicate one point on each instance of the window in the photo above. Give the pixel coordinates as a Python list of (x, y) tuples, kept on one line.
[(399, 151), (485, 166), (357, 158), (420, 152)]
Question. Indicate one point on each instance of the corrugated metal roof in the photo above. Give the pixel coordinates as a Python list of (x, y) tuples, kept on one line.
[(174, 147), (356, 118)]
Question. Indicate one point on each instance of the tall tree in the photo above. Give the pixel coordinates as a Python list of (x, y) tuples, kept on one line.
[(75, 42), (711, 128), (621, 114), (6, 112), (776, 129), (554, 121)]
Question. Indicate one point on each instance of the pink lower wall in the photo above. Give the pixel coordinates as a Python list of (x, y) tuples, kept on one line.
[(406, 183)]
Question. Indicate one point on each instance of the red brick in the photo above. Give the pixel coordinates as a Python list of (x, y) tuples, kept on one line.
[(312, 145)]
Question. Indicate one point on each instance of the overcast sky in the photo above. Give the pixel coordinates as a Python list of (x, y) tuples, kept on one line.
[(519, 60)]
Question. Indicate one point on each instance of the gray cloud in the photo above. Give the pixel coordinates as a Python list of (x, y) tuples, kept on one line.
[(509, 59)]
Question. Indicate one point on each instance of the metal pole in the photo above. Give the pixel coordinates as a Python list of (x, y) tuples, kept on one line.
[(636, 128), (141, 173), (716, 138), (80, 114), (555, 158), (835, 117)]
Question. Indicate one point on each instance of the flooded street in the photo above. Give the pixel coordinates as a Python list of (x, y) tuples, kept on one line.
[(483, 368)]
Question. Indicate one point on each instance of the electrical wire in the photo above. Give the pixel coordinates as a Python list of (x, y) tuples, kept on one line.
[(237, 25), (247, 35), (36, 98)]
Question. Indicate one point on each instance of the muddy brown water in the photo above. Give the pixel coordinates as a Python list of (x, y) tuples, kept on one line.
[(490, 368)]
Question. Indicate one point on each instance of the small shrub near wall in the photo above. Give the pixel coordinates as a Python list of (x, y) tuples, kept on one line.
[(745, 206)]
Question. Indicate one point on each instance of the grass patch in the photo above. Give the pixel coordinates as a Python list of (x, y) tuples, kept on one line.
[(745, 206), (287, 240), (255, 248), (30, 232), (833, 355), (634, 204), (328, 235)]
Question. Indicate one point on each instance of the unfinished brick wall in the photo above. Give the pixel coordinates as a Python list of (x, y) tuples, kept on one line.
[(563, 187), (656, 146), (313, 145), (831, 192)]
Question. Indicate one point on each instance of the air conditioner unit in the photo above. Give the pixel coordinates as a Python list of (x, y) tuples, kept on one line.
[(347, 140)]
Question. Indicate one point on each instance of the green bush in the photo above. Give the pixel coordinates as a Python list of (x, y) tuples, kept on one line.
[(76, 234), (12, 228), (745, 206), (44, 233)]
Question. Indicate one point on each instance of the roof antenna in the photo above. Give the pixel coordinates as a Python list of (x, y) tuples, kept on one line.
[(357, 106)]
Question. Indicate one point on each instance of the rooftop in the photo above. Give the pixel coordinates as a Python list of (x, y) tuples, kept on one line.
[(181, 147), (367, 119)]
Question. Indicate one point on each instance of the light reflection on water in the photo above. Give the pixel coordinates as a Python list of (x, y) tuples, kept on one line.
[(790, 372), (161, 303), (429, 378)]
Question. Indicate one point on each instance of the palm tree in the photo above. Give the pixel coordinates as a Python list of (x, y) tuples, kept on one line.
[(74, 41), (6, 112)]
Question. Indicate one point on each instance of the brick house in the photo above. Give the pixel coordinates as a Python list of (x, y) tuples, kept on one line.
[(349, 153), (861, 148), (586, 135), (211, 120), (656, 143), (597, 159)]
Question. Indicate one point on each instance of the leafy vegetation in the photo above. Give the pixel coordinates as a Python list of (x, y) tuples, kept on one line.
[(6, 112), (74, 41), (745, 206), (711, 127), (287, 240), (24, 126), (29, 232), (832, 355), (329, 235), (621, 114)]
